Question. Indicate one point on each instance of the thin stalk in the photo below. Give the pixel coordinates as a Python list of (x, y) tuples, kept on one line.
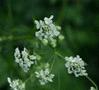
[(53, 64), (57, 53), (92, 82), (61, 13), (28, 78)]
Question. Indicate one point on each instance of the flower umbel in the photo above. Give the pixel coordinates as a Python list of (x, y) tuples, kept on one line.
[(24, 59), (16, 84), (75, 65), (44, 76), (48, 31)]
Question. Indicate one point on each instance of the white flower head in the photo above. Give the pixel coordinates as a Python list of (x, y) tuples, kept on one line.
[(44, 75), (76, 66), (48, 31), (16, 84), (24, 59)]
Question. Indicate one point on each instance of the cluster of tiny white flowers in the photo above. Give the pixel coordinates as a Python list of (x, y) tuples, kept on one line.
[(48, 34), (24, 59), (44, 76), (75, 65), (48, 31), (16, 84), (92, 88)]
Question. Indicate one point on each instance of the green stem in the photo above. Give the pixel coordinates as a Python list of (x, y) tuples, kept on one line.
[(59, 81), (92, 82), (57, 53), (53, 64), (28, 78), (61, 13)]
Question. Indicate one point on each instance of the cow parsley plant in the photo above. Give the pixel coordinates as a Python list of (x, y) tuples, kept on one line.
[(48, 33)]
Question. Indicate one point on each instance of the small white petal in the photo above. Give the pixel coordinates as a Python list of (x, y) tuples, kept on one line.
[(37, 24)]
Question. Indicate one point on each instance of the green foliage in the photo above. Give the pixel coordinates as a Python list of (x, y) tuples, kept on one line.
[(80, 23)]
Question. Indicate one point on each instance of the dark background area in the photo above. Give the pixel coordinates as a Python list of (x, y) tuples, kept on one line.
[(80, 26)]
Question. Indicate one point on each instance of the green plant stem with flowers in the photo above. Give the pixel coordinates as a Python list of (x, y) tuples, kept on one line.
[(48, 34)]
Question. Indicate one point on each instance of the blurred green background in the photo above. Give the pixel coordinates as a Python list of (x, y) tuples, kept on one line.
[(80, 26)]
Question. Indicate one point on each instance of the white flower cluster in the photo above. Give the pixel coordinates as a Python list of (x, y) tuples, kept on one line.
[(92, 88), (44, 76), (16, 84), (48, 31), (76, 65), (24, 59)]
